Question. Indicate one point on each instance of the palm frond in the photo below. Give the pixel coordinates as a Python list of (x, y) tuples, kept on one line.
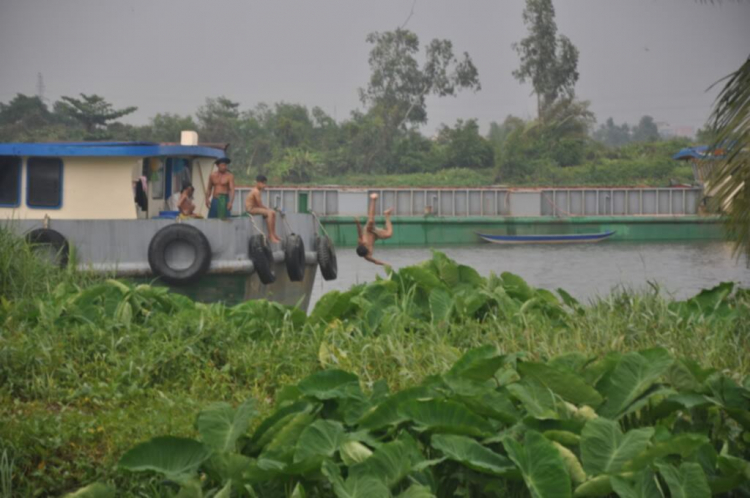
[(729, 182)]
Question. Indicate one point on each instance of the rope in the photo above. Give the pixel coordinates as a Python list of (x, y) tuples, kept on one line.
[(556, 207), (257, 228), (315, 217), (286, 223)]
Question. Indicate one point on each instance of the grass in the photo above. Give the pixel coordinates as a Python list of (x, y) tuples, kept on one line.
[(81, 384)]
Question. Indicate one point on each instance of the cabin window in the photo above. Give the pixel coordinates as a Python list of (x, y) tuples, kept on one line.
[(44, 182), (10, 181)]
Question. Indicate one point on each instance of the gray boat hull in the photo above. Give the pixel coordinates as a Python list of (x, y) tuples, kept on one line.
[(119, 248)]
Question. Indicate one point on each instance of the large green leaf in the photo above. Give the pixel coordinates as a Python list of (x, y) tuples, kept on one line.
[(632, 377), (441, 305), (447, 269), (273, 424), (516, 287), (469, 452), (354, 486), (284, 440), (320, 439), (175, 457), (643, 485), (468, 275), (479, 364), (354, 452), (387, 412), (682, 444), (220, 425), (538, 400), (689, 481), (606, 450), (444, 417), (331, 384), (391, 462), (541, 466), (567, 385)]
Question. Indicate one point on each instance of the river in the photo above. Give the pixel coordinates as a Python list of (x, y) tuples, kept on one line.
[(586, 271)]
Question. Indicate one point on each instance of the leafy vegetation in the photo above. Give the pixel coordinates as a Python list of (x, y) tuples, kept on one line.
[(492, 425), (90, 367)]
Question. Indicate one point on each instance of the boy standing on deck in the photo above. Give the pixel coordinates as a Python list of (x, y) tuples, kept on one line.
[(367, 237), (254, 205), (220, 193)]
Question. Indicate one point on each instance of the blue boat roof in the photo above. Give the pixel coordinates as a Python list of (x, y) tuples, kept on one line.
[(107, 149), (691, 153)]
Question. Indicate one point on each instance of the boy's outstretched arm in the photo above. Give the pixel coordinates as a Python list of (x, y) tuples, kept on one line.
[(359, 227), (376, 261)]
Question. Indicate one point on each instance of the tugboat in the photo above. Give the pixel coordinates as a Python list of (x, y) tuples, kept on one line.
[(109, 207)]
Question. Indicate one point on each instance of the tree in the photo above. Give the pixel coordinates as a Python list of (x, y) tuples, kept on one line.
[(92, 112), (730, 124), (613, 135), (167, 127), (499, 132), (399, 85), (26, 119), (464, 147), (218, 120), (549, 61), (646, 130)]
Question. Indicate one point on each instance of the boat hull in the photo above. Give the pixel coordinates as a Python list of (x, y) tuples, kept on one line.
[(547, 239), (120, 248)]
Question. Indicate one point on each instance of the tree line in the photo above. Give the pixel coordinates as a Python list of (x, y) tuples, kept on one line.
[(294, 143)]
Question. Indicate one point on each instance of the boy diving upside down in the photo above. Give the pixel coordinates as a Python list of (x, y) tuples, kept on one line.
[(366, 238)]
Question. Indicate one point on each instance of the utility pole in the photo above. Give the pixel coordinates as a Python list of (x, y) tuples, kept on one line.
[(40, 86)]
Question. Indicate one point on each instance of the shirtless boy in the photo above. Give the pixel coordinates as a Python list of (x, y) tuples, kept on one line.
[(254, 205), (220, 193), (367, 237), (185, 204)]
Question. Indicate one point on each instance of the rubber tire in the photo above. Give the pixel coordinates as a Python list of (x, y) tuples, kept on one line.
[(262, 257), (294, 257), (185, 233), (326, 258), (53, 238)]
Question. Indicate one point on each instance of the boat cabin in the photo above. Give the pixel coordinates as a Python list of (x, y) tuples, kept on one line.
[(102, 180)]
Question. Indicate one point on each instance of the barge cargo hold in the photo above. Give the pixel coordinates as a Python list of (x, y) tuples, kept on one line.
[(444, 216)]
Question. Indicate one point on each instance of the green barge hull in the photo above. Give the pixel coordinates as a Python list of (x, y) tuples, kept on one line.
[(437, 231)]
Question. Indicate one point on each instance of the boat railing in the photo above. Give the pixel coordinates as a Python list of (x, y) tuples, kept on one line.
[(473, 202)]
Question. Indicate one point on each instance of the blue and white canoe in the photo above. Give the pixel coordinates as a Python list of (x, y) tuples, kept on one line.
[(577, 238)]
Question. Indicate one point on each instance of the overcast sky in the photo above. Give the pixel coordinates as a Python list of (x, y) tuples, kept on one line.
[(637, 57)]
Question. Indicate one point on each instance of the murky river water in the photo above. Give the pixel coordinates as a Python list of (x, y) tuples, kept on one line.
[(681, 269)]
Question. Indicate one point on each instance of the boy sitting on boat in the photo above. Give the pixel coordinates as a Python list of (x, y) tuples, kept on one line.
[(254, 205), (220, 192), (185, 205), (367, 237)]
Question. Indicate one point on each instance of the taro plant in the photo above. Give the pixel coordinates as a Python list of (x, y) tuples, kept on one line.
[(639, 424)]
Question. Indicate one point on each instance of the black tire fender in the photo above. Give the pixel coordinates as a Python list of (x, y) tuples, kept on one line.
[(185, 234), (54, 239), (262, 257), (326, 257), (294, 257)]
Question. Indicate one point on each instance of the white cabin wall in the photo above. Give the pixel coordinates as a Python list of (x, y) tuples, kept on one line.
[(202, 168), (93, 188)]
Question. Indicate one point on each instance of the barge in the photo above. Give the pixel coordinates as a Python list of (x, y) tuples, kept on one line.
[(445, 216)]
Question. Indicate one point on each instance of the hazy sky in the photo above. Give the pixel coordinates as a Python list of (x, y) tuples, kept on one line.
[(637, 57)]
